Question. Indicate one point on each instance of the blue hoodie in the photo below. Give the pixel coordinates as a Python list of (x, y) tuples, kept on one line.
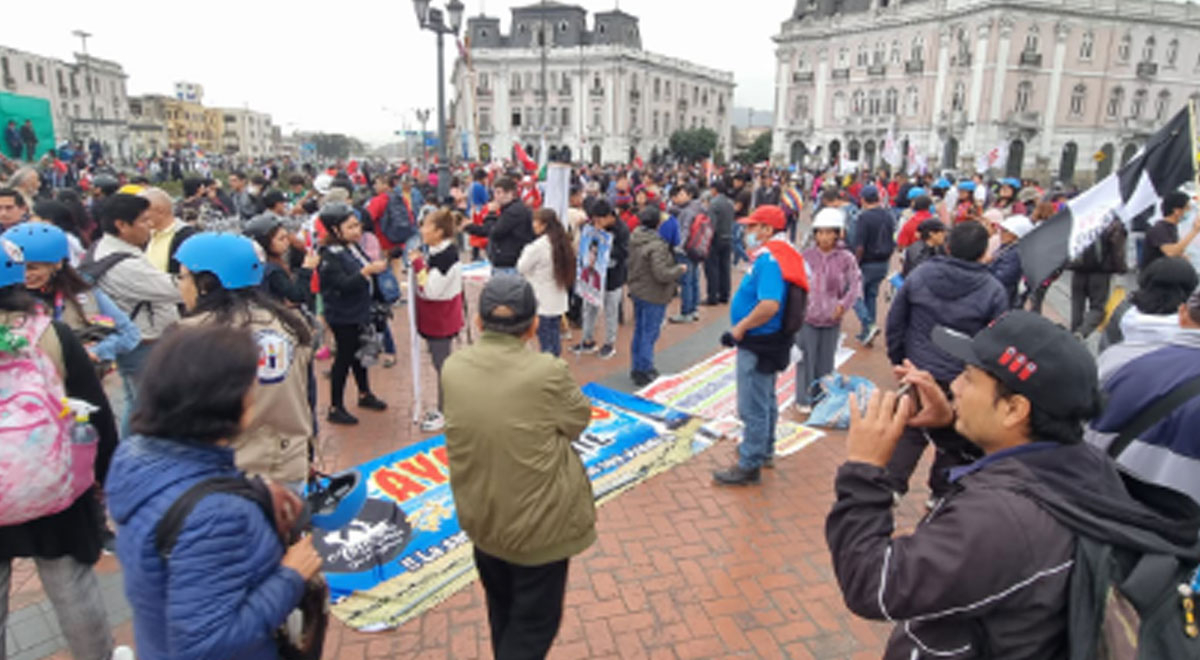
[(223, 592)]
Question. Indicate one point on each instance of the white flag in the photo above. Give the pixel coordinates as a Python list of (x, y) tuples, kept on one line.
[(891, 150)]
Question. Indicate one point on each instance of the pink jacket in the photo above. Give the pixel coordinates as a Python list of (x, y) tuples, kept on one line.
[(834, 279)]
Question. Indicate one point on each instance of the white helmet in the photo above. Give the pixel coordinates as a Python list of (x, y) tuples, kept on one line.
[(829, 218), (1017, 225)]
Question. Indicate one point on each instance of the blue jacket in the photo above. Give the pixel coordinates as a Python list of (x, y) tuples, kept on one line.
[(1006, 266), (223, 592), (942, 291)]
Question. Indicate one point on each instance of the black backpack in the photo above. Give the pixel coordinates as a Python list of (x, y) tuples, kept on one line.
[(93, 270), (795, 305)]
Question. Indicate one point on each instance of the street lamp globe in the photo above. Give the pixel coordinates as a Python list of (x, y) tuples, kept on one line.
[(455, 9), (422, 8)]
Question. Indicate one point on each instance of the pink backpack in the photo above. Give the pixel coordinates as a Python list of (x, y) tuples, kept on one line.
[(47, 458)]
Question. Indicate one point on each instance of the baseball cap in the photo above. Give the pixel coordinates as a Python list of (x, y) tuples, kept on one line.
[(1032, 357), (930, 226), (914, 193), (508, 302), (1017, 225), (767, 214), (870, 194)]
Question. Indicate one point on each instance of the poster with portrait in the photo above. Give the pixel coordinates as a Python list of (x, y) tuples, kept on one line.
[(595, 246)]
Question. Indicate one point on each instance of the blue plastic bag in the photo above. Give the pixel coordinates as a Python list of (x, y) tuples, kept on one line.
[(832, 403), (389, 287)]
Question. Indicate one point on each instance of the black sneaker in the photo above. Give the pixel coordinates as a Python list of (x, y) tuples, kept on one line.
[(641, 378), (584, 347), (340, 416), (736, 476), (607, 351), (653, 374), (371, 402)]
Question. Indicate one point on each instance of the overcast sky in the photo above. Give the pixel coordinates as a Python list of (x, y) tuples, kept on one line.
[(337, 66)]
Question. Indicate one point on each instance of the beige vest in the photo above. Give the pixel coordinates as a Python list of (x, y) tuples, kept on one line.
[(275, 442)]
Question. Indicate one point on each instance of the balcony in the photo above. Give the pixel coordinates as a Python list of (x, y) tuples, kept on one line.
[(564, 94), (1029, 58), (1139, 126), (877, 70), (914, 66), (1147, 70), (840, 74), (683, 105), (62, 90), (635, 131), (802, 77), (483, 92), (596, 91), (634, 96), (516, 93), (962, 59), (1027, 119)]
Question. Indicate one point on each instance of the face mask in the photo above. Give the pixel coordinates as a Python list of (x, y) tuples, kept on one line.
[(753, 242), (252, 190)]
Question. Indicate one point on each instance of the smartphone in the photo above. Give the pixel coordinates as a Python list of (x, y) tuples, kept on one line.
[(907, 389)]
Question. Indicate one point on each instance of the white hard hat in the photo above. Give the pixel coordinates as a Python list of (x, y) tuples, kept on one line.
[(1017, 225), (829, 218), (322, 183)]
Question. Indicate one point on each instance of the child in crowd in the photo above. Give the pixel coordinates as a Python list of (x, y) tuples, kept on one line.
[(653, 275), (1006, 263), (834, 284), (548, 263), (932, 244), (439, 297)]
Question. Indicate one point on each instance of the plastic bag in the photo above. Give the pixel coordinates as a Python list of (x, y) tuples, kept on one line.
[(832, 403)]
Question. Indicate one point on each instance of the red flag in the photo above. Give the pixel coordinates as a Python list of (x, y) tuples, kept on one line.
[(526, 161), (352, 167), (637, 162)]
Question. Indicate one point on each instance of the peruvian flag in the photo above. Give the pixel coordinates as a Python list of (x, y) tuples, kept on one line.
[(526, 161), (637, 161)]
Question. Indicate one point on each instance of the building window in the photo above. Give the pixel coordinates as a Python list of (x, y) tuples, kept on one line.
[(61, 86), (633, 117), (596, 84), (1116, 99), (657, 88), (912, 101), (843, 57), (1078, 95), (1162, 106), (654, 124), (41, 74), (874, 104), (563, 26), (918, 49), (895, 57), (856, 102), (880, 53), (553, 117), (862, 55), (667, 123), (695, 95), (958, 98), (1139, 103), (1086, 45), (1172, 52), (890, 101), (566, 117), (801, 62), (964, 46), (1124, 48), (596, 118), (800, 109), (29, 72), (483, 81), (1148, 50), (1031, 40), (1024, 91), (516, 82), (704, 98), (516, 118), (528, 80), (839, 104)]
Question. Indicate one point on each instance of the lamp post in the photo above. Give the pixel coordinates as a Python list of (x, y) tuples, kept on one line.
[(87, 72), (423, 118), (434, 20)]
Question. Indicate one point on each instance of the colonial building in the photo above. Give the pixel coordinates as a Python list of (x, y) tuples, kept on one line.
[(1068, 89), (87, 96), (603, 98), (247, 133)]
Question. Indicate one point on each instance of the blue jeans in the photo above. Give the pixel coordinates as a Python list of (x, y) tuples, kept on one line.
[(647, 323), (873, 273), (758, 410), (549, 334), (129, 366), (739, 245), (689, 289)]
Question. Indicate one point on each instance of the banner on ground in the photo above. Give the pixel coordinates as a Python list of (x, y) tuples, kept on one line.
[(405, 552)]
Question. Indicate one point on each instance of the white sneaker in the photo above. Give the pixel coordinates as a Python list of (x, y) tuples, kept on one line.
[(803, 410), (433, 421), (122, 653)]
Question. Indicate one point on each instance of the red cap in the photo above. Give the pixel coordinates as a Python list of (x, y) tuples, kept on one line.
[(767, 214)]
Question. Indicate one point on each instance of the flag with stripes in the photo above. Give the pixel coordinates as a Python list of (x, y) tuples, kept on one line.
[(1131, 194)]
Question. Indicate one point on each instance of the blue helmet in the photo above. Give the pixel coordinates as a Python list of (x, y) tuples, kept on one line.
[(233, 259), (968, 186), (40, 242), (941, 184), (337, 501), (1011, 182), (914, 193), (12, 264)]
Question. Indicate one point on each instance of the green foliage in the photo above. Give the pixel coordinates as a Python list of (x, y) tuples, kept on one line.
[(759, 150), (694, 144), (335, 145)]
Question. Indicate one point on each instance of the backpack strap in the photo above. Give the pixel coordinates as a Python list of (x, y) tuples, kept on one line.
[(1181, 394), (94, 269), (167, 531)]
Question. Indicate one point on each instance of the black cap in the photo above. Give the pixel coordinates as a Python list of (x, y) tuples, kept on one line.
[(1032, 357), (507, 302), (930, 225)]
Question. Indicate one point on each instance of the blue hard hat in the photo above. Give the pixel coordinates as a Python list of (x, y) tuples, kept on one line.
[(914, 193), (40, 242), (1011, 182), (230, 257), (12, 264), (337, 501), (942, 184), (968, 186)]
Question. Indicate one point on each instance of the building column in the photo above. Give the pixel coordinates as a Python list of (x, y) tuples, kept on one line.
[(782, 91), (939, 92), (821, 82), (1061, 30), (502, 137), (995, 113), (976, 94)]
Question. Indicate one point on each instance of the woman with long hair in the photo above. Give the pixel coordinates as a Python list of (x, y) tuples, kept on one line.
[(548, 263), (104, 330), (280, 280), (64, 543), (86, 228), (348, 290), (220, 278)]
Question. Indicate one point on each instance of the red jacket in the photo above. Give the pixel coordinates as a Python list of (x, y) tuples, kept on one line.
[(908, 233)]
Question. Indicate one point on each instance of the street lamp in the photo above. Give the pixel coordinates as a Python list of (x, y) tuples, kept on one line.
[(434, 20), (87, 72)]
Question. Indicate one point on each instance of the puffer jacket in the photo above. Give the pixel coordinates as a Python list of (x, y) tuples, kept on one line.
[(223, 592), (1006, 267), (346, 293), (834, 279), (653, 272), (958, 294)]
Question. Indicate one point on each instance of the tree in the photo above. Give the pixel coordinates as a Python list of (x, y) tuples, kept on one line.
[(759, 150), (693, 144), (336, 145)]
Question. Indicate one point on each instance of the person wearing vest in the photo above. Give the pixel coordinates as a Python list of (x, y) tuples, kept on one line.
[(104, 330), (220, 278), (65, 545)]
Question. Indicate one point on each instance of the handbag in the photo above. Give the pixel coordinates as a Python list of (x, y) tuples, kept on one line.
[(388, 287)]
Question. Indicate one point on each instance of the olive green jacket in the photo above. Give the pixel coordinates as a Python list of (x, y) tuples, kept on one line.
[(521, 491)]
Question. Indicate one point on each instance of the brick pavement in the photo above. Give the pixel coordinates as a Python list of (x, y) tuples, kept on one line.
[(682, 569)]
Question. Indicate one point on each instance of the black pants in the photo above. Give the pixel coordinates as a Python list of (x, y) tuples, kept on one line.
[(717, 271), (524, 604), (1089, 295), (346, 339)]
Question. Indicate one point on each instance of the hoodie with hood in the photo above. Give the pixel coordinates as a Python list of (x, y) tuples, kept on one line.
[(958, 294), (1013, 562), (223, 591)]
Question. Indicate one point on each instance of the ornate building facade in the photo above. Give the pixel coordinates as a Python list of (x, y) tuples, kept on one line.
[(1068, 89), (605, 99)]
